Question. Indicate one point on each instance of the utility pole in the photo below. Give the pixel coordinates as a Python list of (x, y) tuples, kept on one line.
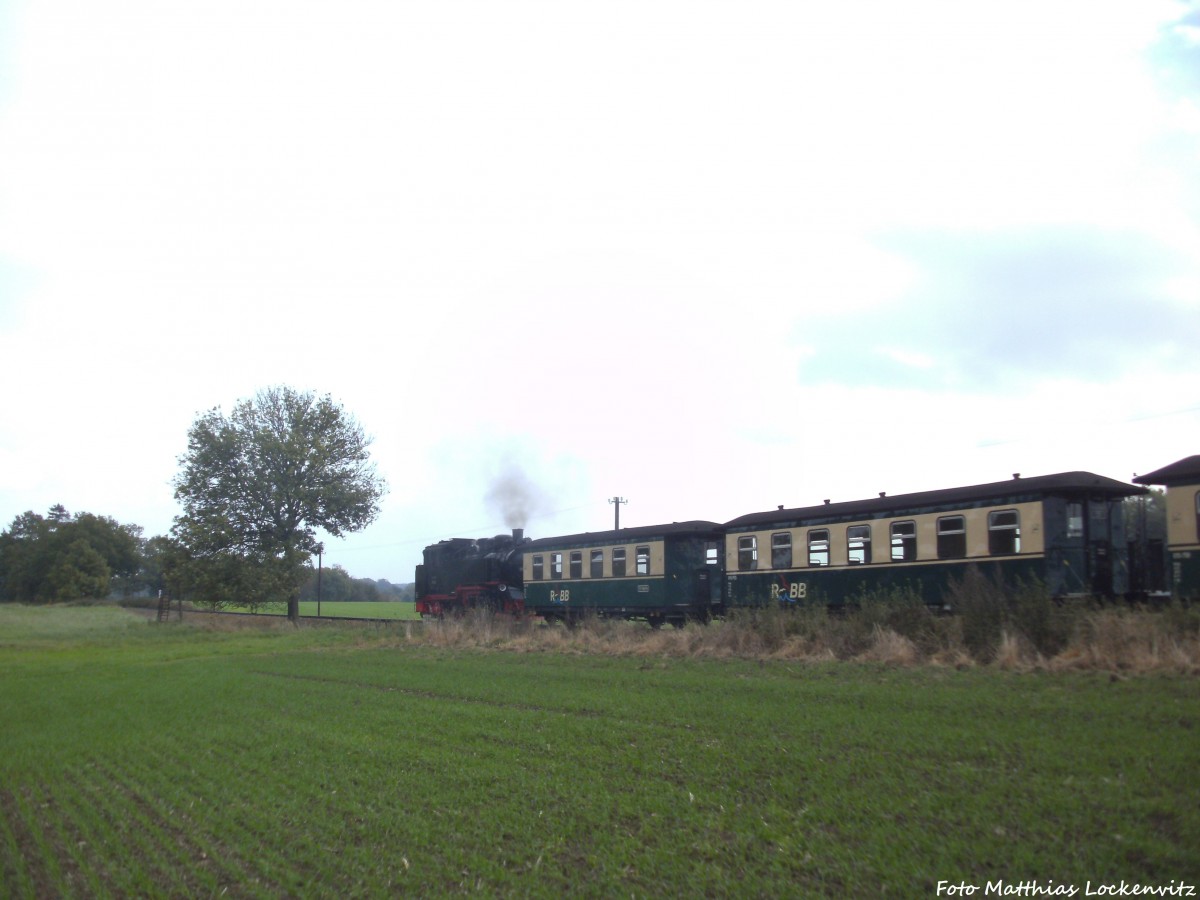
[(616, 502), (320, 553)]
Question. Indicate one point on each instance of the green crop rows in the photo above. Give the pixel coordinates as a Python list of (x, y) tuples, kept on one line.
[(145, 760)]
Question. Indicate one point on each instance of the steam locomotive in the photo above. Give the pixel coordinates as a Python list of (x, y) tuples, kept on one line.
[(1067, 530), (462, 574)]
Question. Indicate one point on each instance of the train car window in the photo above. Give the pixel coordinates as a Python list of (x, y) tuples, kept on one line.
[(1004, 532), (904, 541), (597, 568), (576, 563), (618, 562), (951, 537), (858, 544), (556, 565), (818, 547), (538, 571), (1074, 520), (712, 554), (643, 560), (781, 550), (747, 553)]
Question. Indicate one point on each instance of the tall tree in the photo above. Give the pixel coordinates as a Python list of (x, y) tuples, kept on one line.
[(65, 558), (24, 560), (256, 485), (118, 544), (79, 571)]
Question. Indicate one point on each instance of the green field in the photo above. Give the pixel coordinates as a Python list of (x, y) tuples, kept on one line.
[(196, 759)]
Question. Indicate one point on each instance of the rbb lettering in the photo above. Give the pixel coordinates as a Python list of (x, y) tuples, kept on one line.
[(797, 590)]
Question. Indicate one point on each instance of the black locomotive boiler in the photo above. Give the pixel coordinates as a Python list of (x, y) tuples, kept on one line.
[(463, 573)]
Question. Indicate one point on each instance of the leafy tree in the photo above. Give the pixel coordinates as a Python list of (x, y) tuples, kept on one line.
[(156, 556), (118, 544), (65, 558), (78, 572), (364, 590), (338, 585), (229, 578), (23, 558), (256, 485)]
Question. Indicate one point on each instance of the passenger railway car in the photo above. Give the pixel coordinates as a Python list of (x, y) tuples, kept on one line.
[(1065, 529), (1182, 481), (663, 573)]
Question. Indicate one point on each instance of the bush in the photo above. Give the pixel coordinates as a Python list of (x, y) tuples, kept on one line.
[(979, 602), (1182, 618), (903, 611), (1016, 626), (990, 609), (1044, 622)]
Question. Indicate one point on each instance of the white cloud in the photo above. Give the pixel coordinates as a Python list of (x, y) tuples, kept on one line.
[(622, 237)]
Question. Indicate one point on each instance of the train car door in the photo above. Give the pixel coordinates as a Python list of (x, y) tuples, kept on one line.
[(706, 593), (1101, 569)]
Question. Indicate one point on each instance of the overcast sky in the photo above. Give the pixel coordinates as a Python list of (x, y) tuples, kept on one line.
[(708, 256)]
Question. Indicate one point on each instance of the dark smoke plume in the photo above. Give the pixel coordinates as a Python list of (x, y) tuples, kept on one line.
[(514, 495)]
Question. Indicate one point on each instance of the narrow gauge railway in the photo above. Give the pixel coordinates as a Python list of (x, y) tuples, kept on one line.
[(1067, 530), (268, 617)]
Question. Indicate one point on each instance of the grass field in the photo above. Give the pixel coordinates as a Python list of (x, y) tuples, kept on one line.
[(198, 759)]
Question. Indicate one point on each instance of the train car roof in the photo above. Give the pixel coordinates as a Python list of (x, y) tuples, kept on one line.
[(627, 535), (1010, 491), (1184, 471)]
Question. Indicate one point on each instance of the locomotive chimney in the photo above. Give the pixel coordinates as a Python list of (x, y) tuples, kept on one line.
[(518, 535)]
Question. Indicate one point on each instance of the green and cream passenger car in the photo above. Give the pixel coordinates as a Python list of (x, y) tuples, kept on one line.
[(1066, 530), (663, 573)]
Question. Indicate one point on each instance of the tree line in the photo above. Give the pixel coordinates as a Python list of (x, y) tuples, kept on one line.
[(59, 556), (255, 487), (335, 584)]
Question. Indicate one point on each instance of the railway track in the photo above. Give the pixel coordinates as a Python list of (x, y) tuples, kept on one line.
[(267, 618)]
